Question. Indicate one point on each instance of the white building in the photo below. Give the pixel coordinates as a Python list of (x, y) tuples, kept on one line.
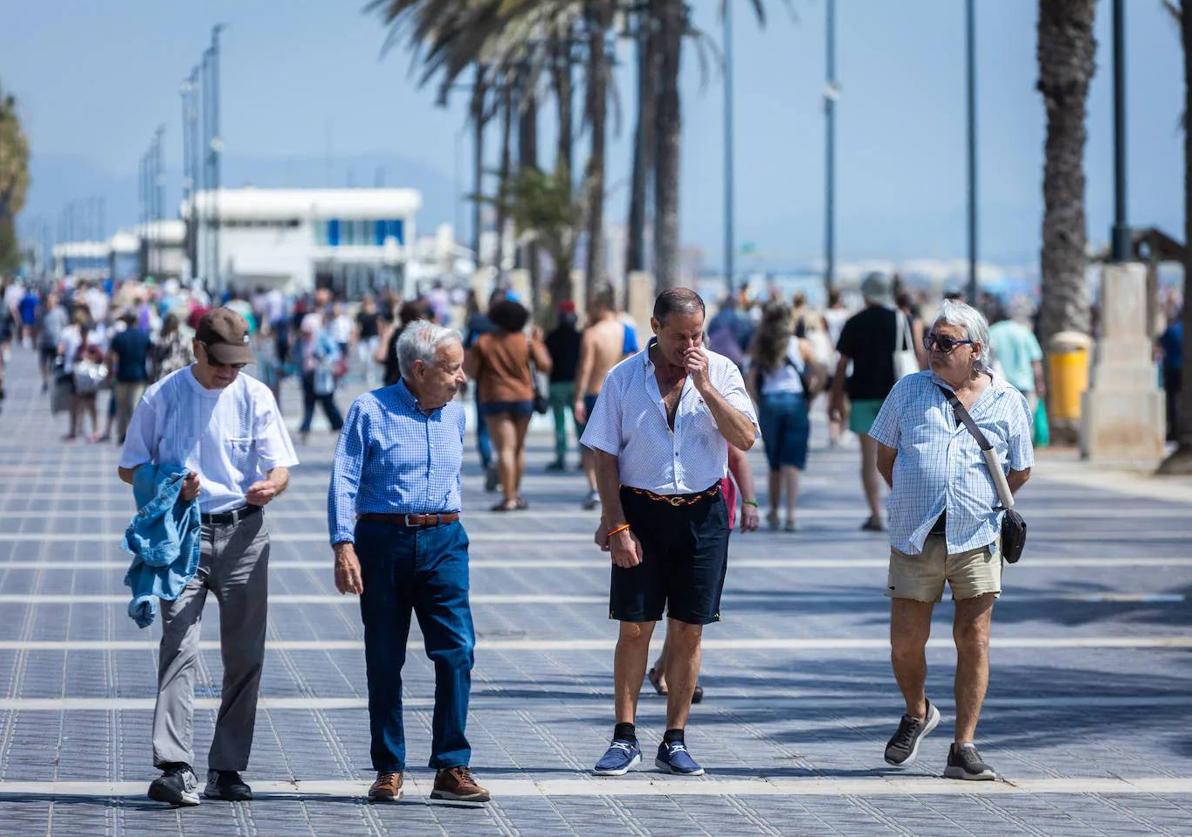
[(350, 240)]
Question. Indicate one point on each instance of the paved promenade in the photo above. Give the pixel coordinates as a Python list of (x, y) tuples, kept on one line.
[(1089, 716)]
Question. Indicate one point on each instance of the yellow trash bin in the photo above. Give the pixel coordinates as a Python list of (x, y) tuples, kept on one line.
[(1068, 370)]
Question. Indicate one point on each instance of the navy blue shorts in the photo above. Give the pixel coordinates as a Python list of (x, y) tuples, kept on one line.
[(510, 408), (684, 561)]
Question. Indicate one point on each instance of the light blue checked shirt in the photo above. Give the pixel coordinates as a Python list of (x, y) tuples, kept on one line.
[(392, 458), (940, 466)]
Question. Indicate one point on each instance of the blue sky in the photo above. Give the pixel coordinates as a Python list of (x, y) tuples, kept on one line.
[(305, 81)]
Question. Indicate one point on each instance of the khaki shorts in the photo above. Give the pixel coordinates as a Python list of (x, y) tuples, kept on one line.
[(921, 577)]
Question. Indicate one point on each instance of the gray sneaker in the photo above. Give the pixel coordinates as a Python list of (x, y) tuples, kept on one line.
[(964, 762), (903, 748)]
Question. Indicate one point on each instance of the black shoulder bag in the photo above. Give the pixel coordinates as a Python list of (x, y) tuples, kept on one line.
[(1013, 526)]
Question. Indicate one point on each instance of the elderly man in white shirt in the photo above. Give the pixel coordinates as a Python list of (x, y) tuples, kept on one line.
[(658, 431), (225, 429)]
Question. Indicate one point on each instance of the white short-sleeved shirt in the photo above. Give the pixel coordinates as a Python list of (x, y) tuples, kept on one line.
[(629, 422), (231, 437)]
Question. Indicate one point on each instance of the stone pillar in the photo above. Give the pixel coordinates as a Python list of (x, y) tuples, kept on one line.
[(1123, 417), (640, 302)]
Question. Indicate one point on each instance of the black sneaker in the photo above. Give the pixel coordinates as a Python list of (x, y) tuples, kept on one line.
[(226, 785), (902, 749), (964, 762), (177, 785)]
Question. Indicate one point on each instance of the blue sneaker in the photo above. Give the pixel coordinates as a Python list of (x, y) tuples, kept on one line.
[(674, 758), (619, 758)]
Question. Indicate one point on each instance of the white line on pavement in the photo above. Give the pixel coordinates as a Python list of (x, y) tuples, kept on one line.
[(755, 644), (528, 534), (653, 784), (595, 561), (601, 598), (782, 702)]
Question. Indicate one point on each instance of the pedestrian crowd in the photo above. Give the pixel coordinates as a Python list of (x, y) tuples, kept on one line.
[(945, 406)]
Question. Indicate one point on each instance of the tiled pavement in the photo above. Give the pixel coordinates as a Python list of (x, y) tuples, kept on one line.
[(1087, 718)]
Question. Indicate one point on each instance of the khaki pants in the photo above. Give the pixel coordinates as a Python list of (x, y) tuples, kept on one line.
[(234, 565), (127, 394)]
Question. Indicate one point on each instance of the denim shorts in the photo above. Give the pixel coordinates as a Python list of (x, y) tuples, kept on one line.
[(509, 408), (785, 426)]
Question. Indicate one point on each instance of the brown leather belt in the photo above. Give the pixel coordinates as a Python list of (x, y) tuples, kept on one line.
[(412, 520), (677, 500)]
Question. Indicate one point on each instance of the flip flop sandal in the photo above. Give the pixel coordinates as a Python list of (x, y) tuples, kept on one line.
[(520, 504), (505, 506), (655, 678), (698, 695)]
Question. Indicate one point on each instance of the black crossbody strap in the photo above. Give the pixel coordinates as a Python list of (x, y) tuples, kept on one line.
[(962, 415), (991, 461)]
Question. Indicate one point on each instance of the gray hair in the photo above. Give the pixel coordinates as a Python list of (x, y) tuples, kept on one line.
[(420, 340), (962, 315)]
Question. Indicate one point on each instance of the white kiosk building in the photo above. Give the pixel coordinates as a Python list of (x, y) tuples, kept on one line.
[(350, 240)]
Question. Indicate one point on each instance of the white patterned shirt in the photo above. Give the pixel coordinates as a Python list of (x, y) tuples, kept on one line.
[(940, 465), (629, 422)]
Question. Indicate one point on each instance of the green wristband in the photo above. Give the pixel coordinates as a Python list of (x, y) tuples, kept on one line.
[(750, 503)]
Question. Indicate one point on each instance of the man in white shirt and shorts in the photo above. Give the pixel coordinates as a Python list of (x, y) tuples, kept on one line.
[(658, 432), (226, 430)]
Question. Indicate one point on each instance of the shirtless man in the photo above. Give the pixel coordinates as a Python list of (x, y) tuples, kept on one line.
[(605, 343)]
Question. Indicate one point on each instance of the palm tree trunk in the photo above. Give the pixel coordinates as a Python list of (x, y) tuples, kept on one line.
[(643, 145), (478, 120), (560, 286), (597, 14), (527, 158), (503, 171), (1065, 53), (670, 18), (1180, 462)]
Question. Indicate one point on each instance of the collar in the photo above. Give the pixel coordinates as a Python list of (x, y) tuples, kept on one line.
[(407, 398), (646, 362)]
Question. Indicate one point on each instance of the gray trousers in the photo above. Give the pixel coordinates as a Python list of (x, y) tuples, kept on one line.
[(233, 565)]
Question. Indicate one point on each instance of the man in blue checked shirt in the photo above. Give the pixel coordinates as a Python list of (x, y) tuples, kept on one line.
[(393, 512), (945, 522)]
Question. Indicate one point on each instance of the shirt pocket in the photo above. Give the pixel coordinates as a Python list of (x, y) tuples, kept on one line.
[(241, 454)]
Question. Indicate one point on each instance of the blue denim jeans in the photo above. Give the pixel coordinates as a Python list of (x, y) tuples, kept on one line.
[(422, 571)]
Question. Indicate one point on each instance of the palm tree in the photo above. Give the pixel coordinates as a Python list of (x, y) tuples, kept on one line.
[(1065, 52), (1180, 462), (643, 144), (14, 179), (598, 16), (670, 18)]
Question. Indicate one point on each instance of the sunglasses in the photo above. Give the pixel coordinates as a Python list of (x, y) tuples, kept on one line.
[(944, 344), (214, 364)]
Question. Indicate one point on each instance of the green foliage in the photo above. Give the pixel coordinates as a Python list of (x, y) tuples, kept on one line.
[(545, 211), (14, 178)]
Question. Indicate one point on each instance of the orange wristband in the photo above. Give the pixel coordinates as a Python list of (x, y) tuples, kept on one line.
[(622, 528)]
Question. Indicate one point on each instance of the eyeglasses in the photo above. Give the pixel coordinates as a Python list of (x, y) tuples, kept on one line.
[(214, 364), (943, 343)]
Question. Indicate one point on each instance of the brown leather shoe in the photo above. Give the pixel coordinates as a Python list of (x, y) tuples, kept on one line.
[(457, 785), (387, 788)]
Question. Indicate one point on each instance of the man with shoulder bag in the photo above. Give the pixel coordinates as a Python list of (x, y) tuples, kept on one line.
[(954, 444)]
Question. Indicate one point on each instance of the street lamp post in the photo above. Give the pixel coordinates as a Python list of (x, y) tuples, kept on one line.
[(971, 98), (830, 91), (728, 147), (1120, 237)]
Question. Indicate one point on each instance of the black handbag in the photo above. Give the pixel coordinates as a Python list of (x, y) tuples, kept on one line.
[(1013, 526)]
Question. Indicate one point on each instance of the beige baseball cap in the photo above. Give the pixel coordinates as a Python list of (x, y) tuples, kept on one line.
[(225, 334)]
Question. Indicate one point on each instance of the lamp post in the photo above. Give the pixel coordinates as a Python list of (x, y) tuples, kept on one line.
[(729, 244), (830, 91), (1121, 243), (971, 99)]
